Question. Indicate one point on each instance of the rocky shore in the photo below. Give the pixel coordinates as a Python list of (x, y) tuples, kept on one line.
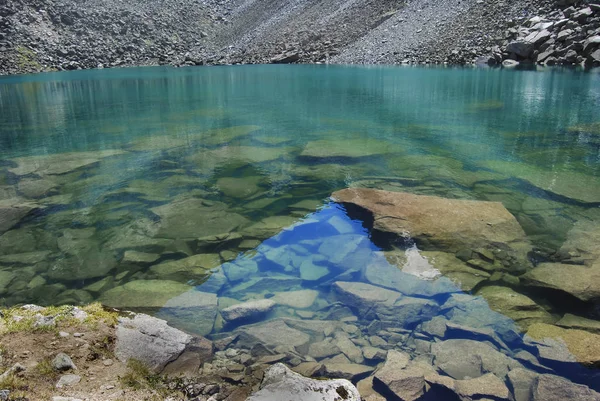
[(66, 35)]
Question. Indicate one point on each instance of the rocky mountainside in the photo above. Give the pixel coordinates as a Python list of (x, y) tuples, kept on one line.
[(40, 35)]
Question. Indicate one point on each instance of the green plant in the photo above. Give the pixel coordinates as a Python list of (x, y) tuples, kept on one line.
[(27, 59)]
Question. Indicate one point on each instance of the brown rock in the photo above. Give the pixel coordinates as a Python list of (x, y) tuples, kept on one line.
[(438, 223)]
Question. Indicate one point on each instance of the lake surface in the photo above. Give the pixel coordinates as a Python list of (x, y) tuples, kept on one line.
[(183, 192)]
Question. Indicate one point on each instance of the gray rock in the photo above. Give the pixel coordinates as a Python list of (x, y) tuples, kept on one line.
[(522, 48), (521, 382), (247, 310), (508, 63), (280, 383), (60, 398), (462, 359), (155, 344), (349, 349), (401, 377), (239, 269), (272, 334), (555, 388), (485, 387), (564, 34), (323, 349), (4, 395), (12, 211), (350, 371), (538, 37), (63, 362), (386, 305), (582, 14), (68, 381)]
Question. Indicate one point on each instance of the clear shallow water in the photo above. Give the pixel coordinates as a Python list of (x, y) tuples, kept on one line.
[(127, 176)]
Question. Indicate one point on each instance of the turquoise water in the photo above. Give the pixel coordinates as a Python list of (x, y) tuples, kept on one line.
[(181, 192)]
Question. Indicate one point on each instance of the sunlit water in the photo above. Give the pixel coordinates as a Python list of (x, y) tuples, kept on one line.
[(128, 175)]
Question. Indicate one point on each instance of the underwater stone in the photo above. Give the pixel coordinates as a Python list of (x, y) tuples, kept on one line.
[(60, 163), (486, 386), (239, 269), (274, 333), (12, 211), (195, 218), (518, 307), (462, 359), (195, 267), (570, 321), (296, 299), (240, 188), (582, 282), (136, 257), (437, 223), (555, 388), (247, 310), (143, 294), (36, 188), (570, 184), (583, 345), (348, 148)]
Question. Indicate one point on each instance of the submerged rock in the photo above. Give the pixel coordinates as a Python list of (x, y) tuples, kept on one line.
[(570, 321), (583, 345), (570, 184), (195, 267), (582, 282), (143, 294), (401, 377), (60, 163), (274, 333), (488, 386), (280, 383), (247, 310), (348, 148), (386, 305), (12, 211), (296, 299), (555, 388), (36, 188), (240, 188), (462, 359), (518, 307), (195, 218), (436, 223)]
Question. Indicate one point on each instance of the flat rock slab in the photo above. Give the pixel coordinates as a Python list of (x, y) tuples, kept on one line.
[(154, 343), (60, 163), (12, 211), (438, 223), (196, 218), (247, 310), (582, 282), (280, 383), (583, 345)]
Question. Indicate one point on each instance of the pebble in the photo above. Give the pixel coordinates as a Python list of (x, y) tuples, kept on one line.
[(107, 362), (63, 334), (77, 334)]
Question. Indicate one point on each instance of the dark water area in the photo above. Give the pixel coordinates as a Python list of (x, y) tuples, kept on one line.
[(186, 192)]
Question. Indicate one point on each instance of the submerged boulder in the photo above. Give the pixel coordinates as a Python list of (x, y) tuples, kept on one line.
[(60, 163), (280, 383), (583, 345), (386, 305), (247, 310), (463, 359), (12, 211), (195, 218), (449, 225), (582, 282)]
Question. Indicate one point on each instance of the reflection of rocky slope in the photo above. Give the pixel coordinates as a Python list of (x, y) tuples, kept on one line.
[(68, 35)]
